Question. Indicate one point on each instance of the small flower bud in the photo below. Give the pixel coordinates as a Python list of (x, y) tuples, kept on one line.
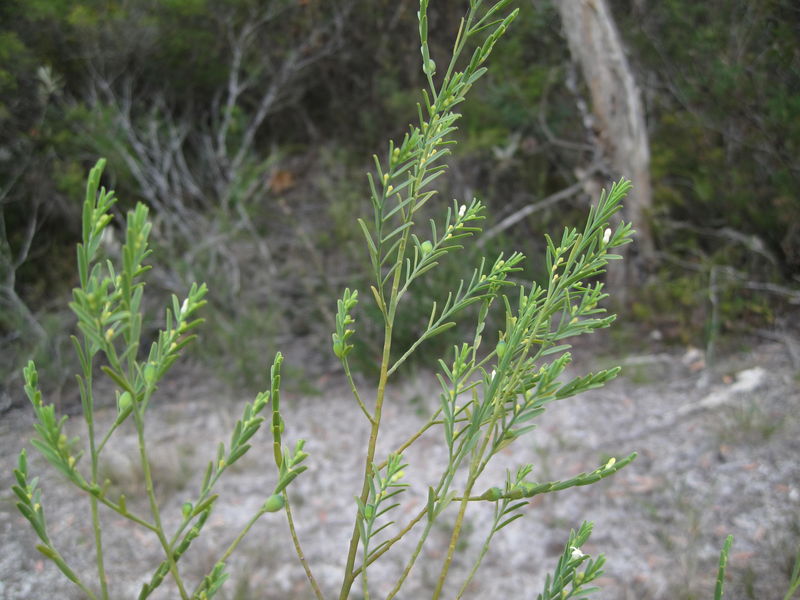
[(576, 553), (462, 209), (426, 247), (493, 494), (274, 503), (606, 236), (501, 348)]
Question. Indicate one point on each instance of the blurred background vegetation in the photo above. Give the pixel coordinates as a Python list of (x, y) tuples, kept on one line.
[(248, 125)]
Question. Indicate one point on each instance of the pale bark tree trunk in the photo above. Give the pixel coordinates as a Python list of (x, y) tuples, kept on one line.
[(619, 120)]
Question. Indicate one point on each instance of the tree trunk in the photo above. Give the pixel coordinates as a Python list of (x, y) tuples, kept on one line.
[(619, 121)]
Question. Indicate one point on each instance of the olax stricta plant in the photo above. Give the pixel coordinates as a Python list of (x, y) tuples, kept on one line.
[(493, 386)]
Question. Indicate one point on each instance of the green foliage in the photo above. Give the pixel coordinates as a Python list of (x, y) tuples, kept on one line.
[(493, 385), (723, 565), (568, 581), (108, 305)]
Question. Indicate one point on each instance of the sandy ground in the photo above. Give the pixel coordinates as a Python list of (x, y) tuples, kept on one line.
[(717, 455)]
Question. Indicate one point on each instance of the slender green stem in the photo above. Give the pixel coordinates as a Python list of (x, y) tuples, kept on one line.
[(235, 543), (404, 446), (391, 542), (364, 580), (154, 511), (474, 471), (373, 440), (476, 565), (299, 549), (354, 389), (794, 581), (128, 515), (451, 549), (62, 564), (93, 452), (440, 491), (98, 541), (412, 561)]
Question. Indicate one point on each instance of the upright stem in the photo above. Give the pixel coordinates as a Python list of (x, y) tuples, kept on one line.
[(349, 576)]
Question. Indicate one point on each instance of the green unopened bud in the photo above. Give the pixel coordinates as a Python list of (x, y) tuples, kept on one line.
[(274, 503), (426, 247), (150, 372), (338, 347), (186, 509), (493, 494), (501, 348), (124, 403), (369, 511)]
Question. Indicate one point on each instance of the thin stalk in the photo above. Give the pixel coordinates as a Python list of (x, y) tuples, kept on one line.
[(392, 541), (441, 491), (354, 389), (128, 515), (96, 527), (232, 547), (458, 45), (475, 465), (477, 564), (451, 549), (364, 580), (412, 561), (106, 437), (402, 448), (299, 550), (151, 496)]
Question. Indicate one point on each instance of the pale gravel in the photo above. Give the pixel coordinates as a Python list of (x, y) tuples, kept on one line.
[(712, 460)]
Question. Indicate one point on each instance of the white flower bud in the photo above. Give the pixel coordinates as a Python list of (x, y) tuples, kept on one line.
[(576, 553), (462, 210), (606, 235)]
